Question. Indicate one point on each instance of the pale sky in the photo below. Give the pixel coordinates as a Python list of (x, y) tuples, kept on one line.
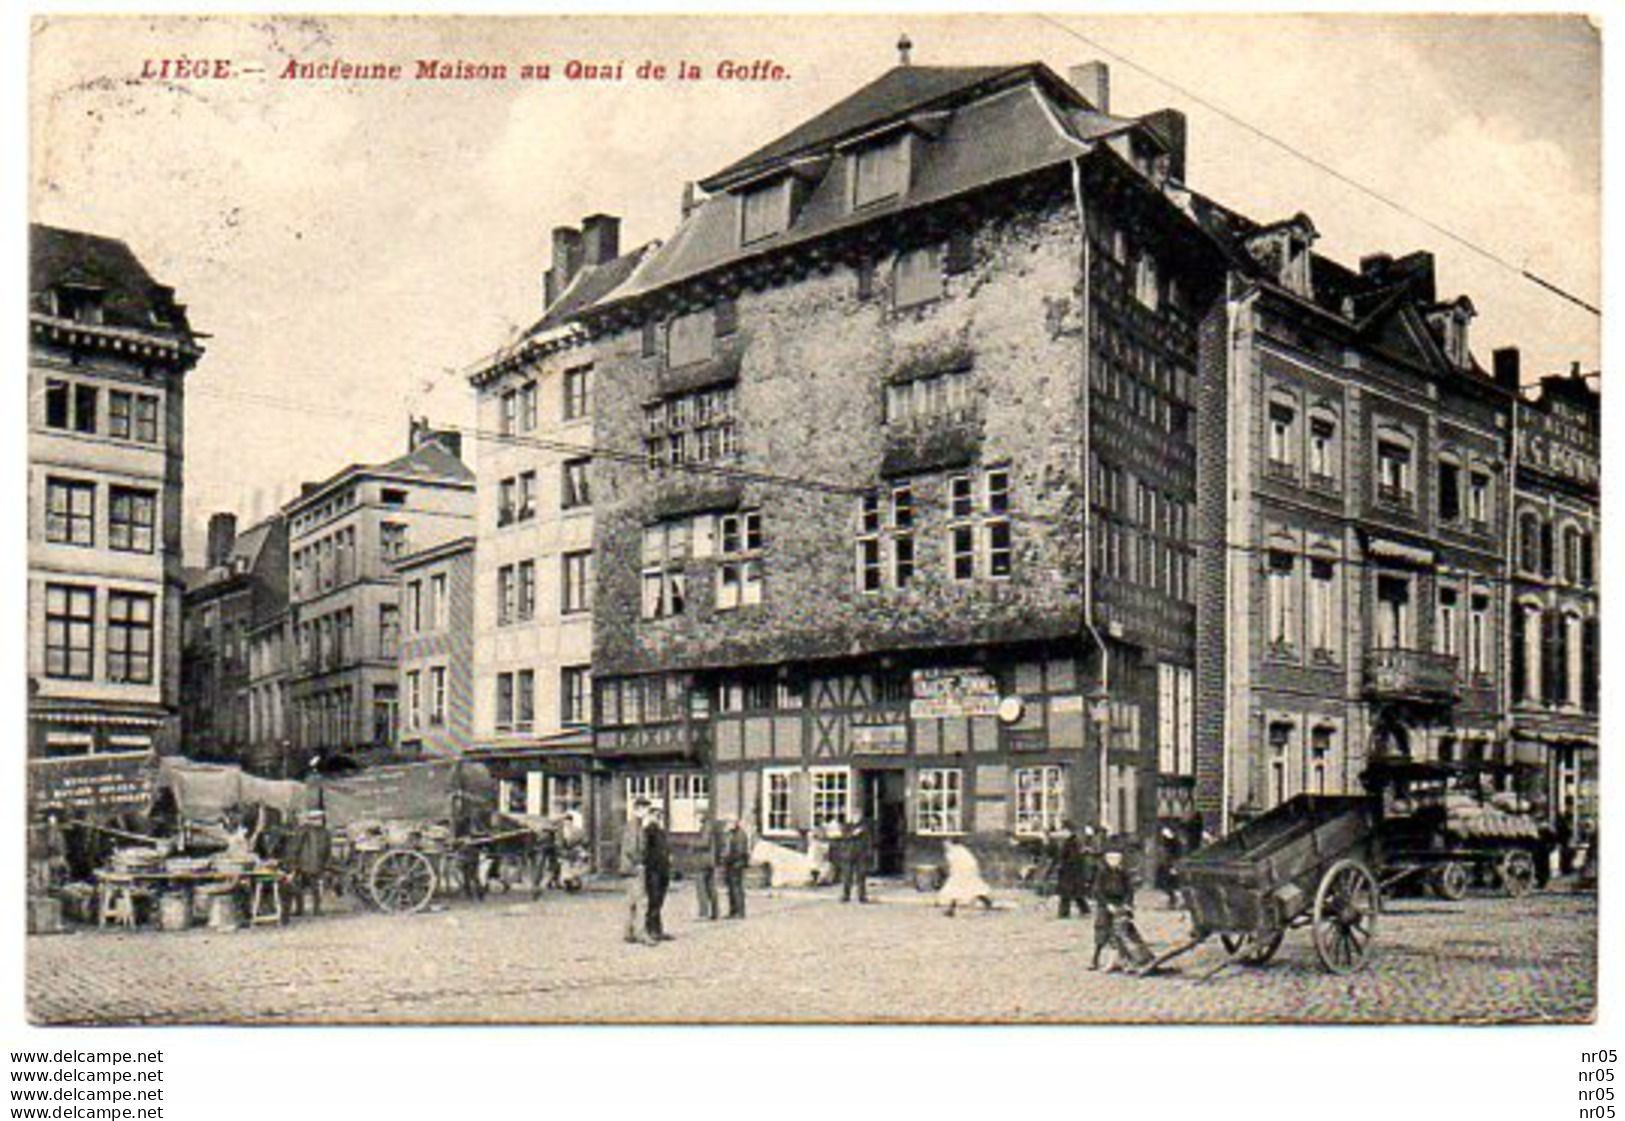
[(351, 247)]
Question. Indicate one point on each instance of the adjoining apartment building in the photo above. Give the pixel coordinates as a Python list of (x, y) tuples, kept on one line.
[(344, 622), (109, 350), (891, 377), (242, 586), (437, 649), (533, 569), (1356, 486), (1554, 640)]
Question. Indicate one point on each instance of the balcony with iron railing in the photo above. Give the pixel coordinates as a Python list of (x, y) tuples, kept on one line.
[(1413, 675)]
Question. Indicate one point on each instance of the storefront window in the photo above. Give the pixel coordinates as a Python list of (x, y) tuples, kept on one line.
[(940, 802), (831, 795), (1040, 800)]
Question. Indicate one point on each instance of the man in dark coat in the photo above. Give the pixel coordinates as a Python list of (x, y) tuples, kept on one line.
[(707, 860), (855, 854), (1114, 899), (735, 858), (309, 848), (656, 870), (1071, 873)]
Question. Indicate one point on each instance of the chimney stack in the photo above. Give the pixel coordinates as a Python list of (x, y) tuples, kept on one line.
[(222, 537), (1169, 126), (905, 47), (1505, 363), (1093, 80), (1375, 266), (422, 432), (600, 239), (566, 263), (689, 202)]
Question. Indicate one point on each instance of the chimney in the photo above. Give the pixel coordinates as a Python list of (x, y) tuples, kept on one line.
[(222, 536), (600, 239), (1505, 361), (1375, 266), (566, 262), (422, 432), (689, 202), (1169, 126), (1093, 80), (905, 48)]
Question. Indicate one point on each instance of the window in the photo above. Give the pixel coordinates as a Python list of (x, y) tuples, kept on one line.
[(576, 586), (996, 531), (917, 276), (831, 795), (524, 700), (392, 540), (504, 720), (690, 338), (695, 427), (577, 392), (902, 537), (414, 606), (440, 599), (1147, 286), (525, 577), (390, 496), (764, 211), (1529, 542), (507, 500), (414, 701), (871, 577), (507, 595), (129, 637), (1573, 551), (1478, 498), (1322, 608), (1280, 736), (1283, 421), (132, 416), (1478, 636), (1322, 449), (58, 404), (527, 407), (690, 798), (739, 568), (70, 621), (389, 629), (778, 801), (566, 794), (70, 512), (1393, 608), (1280, 597), (1449, 491), (437, 695), (1040, 801), (940, 397), (1446, 622), (1527, 664), (665, 581), (879, 172), (1393, 472), (1573, 656), (575, 693), (525, 501), (939, 802), (576, 491), (1321, 740), (510, 412)]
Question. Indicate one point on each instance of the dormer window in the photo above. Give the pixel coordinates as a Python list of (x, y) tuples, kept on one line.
[(1451, 322), (880, 171), (1147, 283), (1283, 252), (764, 210), (80, 303)]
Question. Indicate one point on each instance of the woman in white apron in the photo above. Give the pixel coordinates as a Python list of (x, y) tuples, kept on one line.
[(965, 883)]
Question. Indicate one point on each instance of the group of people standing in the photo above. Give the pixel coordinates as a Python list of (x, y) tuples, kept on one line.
[(646, 861)]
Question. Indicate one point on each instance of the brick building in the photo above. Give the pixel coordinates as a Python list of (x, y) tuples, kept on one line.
[(1554, 640), (270, 664), (109, 349), (872, 373), (533, 568), (437, 649), (1352, 524), (243, 585), (344, 536)]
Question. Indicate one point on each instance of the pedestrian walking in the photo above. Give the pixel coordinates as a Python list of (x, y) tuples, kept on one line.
[(708, 861), (656, 870), (735, 858), (1071, 873), (1565, 842), (1170, 849), (633, 840), (309, 850), (855, 853), (1114, 914)]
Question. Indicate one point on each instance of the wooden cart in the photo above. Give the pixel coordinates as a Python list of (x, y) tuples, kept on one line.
[(401, 868), (1311, 862)]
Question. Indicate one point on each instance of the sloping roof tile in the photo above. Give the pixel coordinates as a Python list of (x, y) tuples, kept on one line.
[(132, 297)]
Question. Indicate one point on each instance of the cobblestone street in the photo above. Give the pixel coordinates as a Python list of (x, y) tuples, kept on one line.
[(803, 956)]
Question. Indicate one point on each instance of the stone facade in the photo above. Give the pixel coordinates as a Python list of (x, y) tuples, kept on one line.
[(437, 649)]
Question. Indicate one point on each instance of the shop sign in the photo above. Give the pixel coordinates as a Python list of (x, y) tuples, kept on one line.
[(1065, 704), (1559, 441), (879, 738), (1026, 739), (92, 783), (954, 693)]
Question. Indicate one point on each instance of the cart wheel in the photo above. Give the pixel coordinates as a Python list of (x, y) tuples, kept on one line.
[(1249, 949), (1517, 869), (402, 881), (1345, 918), (1452, 880)]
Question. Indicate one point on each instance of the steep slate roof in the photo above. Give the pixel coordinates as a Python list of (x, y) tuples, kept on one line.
[(427, 461), (1004, 123), (132, 297), (591, 284)]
